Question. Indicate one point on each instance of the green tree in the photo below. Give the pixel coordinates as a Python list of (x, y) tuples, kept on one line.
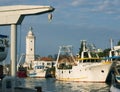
[(101, 54), (118, 42), (106, 52)]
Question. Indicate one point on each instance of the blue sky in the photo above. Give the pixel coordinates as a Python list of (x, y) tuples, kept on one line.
[(73, 20)]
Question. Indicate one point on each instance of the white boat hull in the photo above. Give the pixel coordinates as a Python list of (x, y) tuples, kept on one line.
[(89, 72), (38, 74)]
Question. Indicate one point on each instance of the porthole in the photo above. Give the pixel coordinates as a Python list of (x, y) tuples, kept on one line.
[(102, 71)]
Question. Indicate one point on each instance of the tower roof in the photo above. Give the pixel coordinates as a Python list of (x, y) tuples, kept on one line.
[(30, 33)]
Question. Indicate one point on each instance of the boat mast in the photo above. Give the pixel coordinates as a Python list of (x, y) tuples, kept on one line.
[(111, 44)]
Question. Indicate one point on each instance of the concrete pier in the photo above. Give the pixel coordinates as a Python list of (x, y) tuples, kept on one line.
[(20, 89)]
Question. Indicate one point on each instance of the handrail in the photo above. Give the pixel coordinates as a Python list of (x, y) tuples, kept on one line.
[(4, 82)]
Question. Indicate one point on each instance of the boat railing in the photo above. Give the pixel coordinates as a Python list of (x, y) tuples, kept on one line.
[(64, 66), (85, 60)]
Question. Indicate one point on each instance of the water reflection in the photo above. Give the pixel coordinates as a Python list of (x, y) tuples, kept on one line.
[(51, 85)]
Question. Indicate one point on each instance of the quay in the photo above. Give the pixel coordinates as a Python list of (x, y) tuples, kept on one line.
[(19, 89), (6, 85), (9, 88), (10, 84)]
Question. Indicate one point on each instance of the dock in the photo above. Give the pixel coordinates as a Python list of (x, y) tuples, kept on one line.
[(20, 89), (9, 88)]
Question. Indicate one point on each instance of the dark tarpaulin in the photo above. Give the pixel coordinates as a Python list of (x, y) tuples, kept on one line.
[(3, 36)]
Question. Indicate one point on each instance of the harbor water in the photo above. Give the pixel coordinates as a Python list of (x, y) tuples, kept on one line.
[(51, 85)]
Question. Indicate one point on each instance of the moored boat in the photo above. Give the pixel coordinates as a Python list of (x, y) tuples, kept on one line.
[(114, 56), (3, 51), (117, 73), (3, 47), (38, 71), (86, 67)]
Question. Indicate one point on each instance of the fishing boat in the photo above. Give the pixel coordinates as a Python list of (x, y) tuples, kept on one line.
[(116, 70), (114, 55), (87, 66), (117, 75)]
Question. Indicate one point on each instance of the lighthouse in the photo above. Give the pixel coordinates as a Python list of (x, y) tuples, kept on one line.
[(30, 47)]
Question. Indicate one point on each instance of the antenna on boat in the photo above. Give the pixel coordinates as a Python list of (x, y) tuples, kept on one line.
[(111, 43), (66, 49), (84, 45)]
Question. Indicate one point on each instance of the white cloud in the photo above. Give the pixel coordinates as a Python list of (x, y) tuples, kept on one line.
[(85, 2), (108, 6), (78, 2)]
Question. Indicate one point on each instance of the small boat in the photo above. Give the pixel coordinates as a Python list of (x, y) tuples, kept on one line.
[(39, 71), (86, 67), (22, 72)]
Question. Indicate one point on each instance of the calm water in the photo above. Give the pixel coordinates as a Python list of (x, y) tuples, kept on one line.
[(51, 85)]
